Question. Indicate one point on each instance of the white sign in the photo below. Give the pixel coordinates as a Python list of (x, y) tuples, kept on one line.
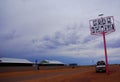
[(103, 24)]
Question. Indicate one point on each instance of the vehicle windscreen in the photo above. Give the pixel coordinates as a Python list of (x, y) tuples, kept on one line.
[(100, 63)]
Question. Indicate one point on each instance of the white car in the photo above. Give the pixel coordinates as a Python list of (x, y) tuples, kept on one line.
[(100, 66)]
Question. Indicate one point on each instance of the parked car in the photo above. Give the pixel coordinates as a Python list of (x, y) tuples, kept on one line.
[(100, 66)]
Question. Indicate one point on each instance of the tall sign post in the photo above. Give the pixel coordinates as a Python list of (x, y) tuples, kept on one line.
[(103, 26)]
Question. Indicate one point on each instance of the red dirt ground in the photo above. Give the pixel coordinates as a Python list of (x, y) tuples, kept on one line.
[(79, 74)]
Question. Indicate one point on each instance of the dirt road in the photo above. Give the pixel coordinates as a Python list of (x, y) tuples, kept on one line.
[(28, 75), (81, 74)]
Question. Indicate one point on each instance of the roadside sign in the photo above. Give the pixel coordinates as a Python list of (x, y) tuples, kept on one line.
[(103, 24)]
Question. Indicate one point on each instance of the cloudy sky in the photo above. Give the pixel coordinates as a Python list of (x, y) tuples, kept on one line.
[(57, 30)]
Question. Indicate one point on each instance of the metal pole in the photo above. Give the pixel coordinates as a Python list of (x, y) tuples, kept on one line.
[(105, 50)]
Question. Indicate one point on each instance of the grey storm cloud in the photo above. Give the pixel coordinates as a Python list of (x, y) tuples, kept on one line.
[(68, 36), (73, 35), (9, 36), (115, 43), (60, 27)]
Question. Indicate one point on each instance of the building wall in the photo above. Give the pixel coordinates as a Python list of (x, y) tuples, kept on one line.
[(51, 65), (16, 64)]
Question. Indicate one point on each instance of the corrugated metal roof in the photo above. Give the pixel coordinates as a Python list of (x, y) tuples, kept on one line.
[(13, 60), (51, 62)]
